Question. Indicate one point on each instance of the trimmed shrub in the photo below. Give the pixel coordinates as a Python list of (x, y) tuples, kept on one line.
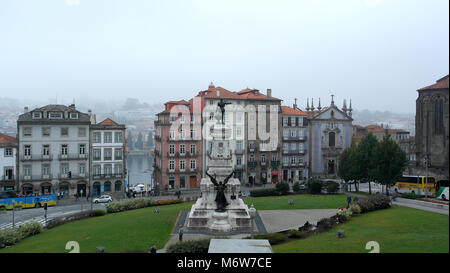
[(326, 223), (69, 218), (9, 237), (410, 195), (355, 209), (197, 246), (274, 238), (30, 229), (296, 187), (137, 204), (347, 213), (296, 234), (315, 186), (374, 202), (99, 212), (264, 192), (282, 188), (331, 186)]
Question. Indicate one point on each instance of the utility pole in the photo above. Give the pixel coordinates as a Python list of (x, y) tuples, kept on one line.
[(426, 159)]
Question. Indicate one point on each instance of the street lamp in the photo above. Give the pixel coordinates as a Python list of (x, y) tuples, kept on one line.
[(252, 212), (426, 161)]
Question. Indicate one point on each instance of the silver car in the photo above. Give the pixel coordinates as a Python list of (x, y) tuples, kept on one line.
[(103, 199)]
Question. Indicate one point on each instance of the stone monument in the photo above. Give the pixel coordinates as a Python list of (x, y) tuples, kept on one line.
[(219, 209)]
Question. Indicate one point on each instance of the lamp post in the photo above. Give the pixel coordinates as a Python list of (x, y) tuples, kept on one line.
[(252, 212), (426, 162)]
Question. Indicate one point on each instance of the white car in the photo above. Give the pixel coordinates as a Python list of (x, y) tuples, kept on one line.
[(103, 199)]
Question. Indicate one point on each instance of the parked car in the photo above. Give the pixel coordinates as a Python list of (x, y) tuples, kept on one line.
[(103, 199)]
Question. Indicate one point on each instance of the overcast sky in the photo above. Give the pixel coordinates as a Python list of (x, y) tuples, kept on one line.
[(376, 52)]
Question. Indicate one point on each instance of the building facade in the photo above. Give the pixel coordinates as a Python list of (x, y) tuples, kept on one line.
[(53, 150), (107, 158), (177, 160), (432, 129), (294, 144), (8, 159), (331, 131)]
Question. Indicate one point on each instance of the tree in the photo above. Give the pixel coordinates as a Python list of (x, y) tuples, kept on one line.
[(139, 143), (388, 162), (130, 141), (348, 169), (364, 157)]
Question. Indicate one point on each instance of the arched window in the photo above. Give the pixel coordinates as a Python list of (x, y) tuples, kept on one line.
[(438, 117), (107, 186), (331, 139), (118, 186)]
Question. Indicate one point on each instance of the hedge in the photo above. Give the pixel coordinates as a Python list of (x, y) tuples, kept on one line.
[(373, 202), (12, 236), (137, 204), (197, 246), (264, 192)]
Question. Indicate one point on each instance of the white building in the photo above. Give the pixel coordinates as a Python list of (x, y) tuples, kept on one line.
[(108, 158), (53, 150), (8, 157)]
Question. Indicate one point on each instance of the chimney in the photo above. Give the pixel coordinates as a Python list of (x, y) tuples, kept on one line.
[(269, 93), (25, 109), (72, 106)]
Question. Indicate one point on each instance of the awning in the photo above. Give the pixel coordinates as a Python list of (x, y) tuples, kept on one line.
[(274, 173)]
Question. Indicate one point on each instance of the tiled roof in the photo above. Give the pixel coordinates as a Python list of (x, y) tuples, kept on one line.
[(440, 84), (211, 93), (82, 117), (254, 94), (7, 139), (108, 121), (286, 110)]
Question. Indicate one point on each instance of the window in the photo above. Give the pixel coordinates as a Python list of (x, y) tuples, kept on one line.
[(55, 115), (108, 137), (97, 137), (108, 169), (192, 134), (27, 132), (108, 154), (292, 121), (293, 146), (238, 160), (182, 119), (263, 158), (45, 169), (211, 116), (97, 169), (64, 168), (171, 165), (285, 147), (97, 154), (238, 132), (27, 150), (82, 149), (45, 131), (183, 133), (64, 149), (285, 121), (293, 160), (118, 169), (27, 170), (171, 134), (182, 165), (82, 168), (73, 115), (182, 149), (301, 133), (238, 145), (118, 154), (118, 186), (81, 132), (172, 149), (192, 149), (8, 152), (331, 140), (171, 182), (172, 119), (192, 164), (293, 131), (37, 115), (301, 147), (182, 182), (46, 150), (118, 137), (64, 132), (285, 133)]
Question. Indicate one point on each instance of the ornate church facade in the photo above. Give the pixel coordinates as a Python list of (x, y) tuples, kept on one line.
[(330, 129)]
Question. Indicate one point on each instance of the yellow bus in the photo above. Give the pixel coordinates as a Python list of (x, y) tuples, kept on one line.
[(415, 184)]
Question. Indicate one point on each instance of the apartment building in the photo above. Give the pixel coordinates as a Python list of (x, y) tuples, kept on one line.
[(177, 153), (53, 150), (294, 144), (107, 158), (8, 158)]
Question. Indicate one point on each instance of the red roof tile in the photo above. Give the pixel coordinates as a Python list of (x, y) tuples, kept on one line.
[(7, 139), (108, 121), (440, 84), (286, 110)]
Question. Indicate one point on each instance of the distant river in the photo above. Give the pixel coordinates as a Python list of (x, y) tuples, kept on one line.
[(139, 168)]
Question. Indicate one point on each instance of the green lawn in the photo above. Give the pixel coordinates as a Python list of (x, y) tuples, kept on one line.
[(301, 201), (135, 230), (398, 229)]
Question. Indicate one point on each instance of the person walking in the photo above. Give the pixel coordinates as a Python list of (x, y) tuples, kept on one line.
[(349, 200), (180, 234)]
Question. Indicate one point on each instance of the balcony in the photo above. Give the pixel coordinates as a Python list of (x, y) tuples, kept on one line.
[(37, 157), (192, 154), (239, 167), (239, 152), (251, 149), (285, 164), (171, 154), (34, 178), (263, 163), (7, 178), (252, 163), (74, 157), (275, 162), (106, 176)]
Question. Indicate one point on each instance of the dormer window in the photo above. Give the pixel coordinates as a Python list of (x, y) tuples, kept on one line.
[(37, 115), (55, 115), (73, 115)]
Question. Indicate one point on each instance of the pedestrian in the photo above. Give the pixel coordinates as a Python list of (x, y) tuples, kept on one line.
[(349, 200), (180, 234), (355, 199), (387, 191)]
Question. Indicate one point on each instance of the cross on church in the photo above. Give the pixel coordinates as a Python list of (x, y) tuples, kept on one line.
[(332, 99)]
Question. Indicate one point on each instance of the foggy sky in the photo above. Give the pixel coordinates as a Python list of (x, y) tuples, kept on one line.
[(375, 52)]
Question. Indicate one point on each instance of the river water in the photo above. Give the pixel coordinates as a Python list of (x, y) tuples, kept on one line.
[(139, 169)]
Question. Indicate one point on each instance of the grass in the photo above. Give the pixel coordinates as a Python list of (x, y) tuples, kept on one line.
[(397, 230), (301, 201), (135, 230)]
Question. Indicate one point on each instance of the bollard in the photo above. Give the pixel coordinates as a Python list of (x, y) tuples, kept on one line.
[(153, 249)]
